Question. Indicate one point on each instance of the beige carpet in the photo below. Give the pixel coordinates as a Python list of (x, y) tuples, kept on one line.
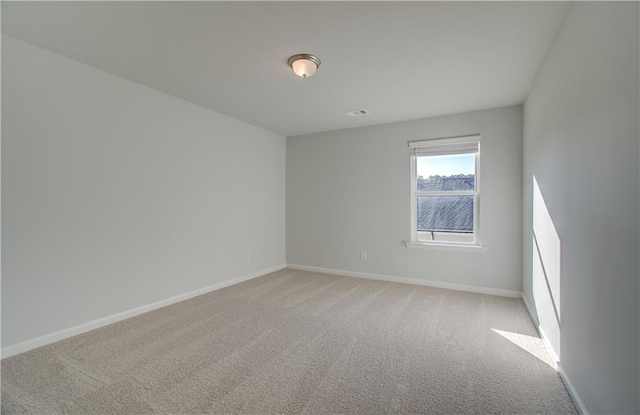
[(299, 342)]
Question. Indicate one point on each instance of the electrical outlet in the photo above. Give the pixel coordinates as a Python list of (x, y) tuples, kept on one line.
[(363, 255), (247, 256)]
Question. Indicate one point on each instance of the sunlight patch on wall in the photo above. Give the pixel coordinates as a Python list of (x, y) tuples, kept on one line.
[(546, 255)]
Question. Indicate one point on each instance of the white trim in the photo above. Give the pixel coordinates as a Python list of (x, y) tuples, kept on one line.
[(414, 281), (534, 317), (582, 409), (476, 200), (445, 141), (22, 347), (414, 199), (446, 193), (543, 336), (547, 343), (447, 246), (414, 193)]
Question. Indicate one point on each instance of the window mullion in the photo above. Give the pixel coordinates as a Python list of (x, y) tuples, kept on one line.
[(446, 193)]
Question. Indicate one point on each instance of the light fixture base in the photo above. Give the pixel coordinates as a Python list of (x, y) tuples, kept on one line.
[(306, 56)]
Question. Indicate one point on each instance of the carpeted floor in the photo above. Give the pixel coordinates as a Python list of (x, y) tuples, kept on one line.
[(299, 342)]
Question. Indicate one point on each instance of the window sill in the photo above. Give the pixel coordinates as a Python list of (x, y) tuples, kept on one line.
[(445, 246)]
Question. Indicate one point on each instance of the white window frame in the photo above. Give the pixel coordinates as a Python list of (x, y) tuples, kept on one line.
[(443, 143)]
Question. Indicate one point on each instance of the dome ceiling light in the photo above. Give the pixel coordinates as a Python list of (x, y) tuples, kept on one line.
[(304, 64)]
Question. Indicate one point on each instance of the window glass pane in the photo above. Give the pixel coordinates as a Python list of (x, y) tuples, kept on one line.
[(446, 173), (447, 214)]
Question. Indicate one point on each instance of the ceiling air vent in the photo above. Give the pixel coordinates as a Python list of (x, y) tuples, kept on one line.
[(358, 113)]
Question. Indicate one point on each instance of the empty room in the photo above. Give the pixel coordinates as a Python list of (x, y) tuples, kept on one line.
[(320, 207)]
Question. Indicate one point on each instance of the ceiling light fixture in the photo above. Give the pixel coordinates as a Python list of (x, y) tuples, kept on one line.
[(304, 65)]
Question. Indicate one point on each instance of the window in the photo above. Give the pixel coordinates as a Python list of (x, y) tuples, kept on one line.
[(445, 191)]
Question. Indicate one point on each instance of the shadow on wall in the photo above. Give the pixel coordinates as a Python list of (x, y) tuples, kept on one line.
[(546, 272)]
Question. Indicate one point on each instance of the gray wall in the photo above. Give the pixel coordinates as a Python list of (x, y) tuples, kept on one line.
[(349, 191), (116, 195), (581, 139)]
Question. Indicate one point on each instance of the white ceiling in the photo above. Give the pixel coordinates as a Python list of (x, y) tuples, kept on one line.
[(399, 60)]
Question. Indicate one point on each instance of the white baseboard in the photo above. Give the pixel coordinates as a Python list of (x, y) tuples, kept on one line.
[(563, 375), (543, 336), (545, 339), (414, 281), (534, 316), (582, 410), (22, 347)]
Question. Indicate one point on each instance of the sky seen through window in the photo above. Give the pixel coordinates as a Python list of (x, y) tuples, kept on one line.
[(449, 165)]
